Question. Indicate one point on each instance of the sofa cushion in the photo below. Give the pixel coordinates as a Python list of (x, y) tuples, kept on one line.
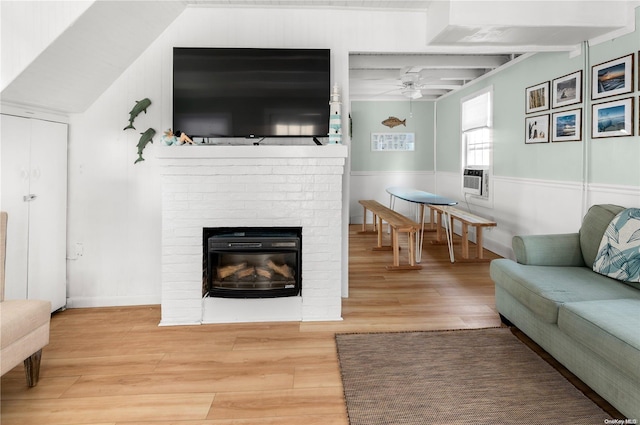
[(542, 289), (609, 328), (594, 224), (20, 317), (619, 253)]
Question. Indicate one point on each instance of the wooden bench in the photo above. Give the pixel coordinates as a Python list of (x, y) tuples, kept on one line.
[(398, 224), (467, 219)]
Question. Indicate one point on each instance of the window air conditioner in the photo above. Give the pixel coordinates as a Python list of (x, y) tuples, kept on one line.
[(475, 181)]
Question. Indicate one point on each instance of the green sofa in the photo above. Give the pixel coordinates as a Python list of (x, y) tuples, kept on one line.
[(588, 322)]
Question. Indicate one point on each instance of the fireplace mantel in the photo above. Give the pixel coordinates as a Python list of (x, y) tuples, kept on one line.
[(244, 186), (252, 151)]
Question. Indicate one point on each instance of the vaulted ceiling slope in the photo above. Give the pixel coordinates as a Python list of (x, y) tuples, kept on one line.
[(87, 57), (465, 39)]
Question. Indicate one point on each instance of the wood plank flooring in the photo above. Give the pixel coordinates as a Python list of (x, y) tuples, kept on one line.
[(115, 366)]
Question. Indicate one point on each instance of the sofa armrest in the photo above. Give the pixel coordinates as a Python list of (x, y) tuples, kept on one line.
[(548, 250)]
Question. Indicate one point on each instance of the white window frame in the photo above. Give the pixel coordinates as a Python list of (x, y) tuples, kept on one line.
[(485, 124)]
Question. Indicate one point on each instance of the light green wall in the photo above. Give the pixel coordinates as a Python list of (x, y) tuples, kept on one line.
[(367, 117), (616, 160), (613, 160)]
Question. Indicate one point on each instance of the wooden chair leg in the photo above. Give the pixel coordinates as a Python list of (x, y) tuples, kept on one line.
[(32, 368)]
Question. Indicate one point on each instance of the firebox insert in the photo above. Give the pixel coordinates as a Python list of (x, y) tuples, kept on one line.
[(262, 262)]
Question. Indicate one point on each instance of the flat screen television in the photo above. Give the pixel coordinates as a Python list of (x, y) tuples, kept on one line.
[(246, 92)]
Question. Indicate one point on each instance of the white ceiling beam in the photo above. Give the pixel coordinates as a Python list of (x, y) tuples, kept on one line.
[(523, 22), (431, 61)]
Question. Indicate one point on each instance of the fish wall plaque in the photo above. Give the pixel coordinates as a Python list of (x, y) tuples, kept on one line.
[(394, 121)]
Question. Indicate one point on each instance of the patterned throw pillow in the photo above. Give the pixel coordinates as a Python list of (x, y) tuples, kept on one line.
[(619, 253)]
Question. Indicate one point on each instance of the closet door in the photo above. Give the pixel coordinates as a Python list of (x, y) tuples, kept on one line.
[(14, 153), (34, 194), (48, 213)]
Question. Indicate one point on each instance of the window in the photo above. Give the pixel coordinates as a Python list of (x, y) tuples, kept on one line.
[(476, 123)]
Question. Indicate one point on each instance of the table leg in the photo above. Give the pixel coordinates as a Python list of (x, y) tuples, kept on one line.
[(420, 238), (448, 229), (379, 220)]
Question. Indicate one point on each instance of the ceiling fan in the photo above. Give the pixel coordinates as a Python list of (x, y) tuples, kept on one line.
[(411, 87), (408, 84)]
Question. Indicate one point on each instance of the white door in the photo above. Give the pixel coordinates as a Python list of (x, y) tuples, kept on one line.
[(34, 194), (14, 151), (48, 213)]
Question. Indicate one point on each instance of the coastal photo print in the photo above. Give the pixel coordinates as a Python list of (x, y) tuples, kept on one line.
[(612, 78), (567, 90), (612, 119), (566, 126), (537, 129), (537, 98)]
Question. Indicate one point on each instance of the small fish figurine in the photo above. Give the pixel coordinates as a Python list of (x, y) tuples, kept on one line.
[(393, 121), (141, 105), (147, 137)]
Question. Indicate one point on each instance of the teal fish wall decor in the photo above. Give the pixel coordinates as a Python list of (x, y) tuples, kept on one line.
[(147, 137), (140, 106)]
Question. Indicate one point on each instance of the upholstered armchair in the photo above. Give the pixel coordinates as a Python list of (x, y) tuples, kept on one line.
[(24, 324)]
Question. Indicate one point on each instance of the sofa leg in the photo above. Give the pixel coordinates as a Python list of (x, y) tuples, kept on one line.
[(32, 368)]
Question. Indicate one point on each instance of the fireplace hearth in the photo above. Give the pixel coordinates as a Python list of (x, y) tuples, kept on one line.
[(252, 262)]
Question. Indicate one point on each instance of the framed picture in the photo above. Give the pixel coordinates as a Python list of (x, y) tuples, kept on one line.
[(566, 126), (387, 142), (567, 90), (612, 78), (537, 98), (612, 119), (536, 129)]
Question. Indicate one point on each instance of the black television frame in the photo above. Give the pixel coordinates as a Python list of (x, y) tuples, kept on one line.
[(243, 92)]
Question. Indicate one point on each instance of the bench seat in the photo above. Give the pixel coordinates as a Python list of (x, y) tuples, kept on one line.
[(398, 224), (467, 219)]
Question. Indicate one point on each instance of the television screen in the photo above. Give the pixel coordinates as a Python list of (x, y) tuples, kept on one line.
[(242, 92)]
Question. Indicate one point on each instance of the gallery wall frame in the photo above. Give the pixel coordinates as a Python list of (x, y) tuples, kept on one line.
[(390, 142), (536, 129), (612, 78), (566, 126), (566, 90), (612, 119), (537, 98)]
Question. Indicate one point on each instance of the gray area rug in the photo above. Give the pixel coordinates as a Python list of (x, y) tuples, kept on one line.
[(484, 376)]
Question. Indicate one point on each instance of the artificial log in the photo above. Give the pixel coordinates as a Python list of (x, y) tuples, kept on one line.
[(282, 270), (227, 271), (264, 272), (249, 271)]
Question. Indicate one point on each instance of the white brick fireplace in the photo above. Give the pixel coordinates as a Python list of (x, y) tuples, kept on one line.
[(246, 186)]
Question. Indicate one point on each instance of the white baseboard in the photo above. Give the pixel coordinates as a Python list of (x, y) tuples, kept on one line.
[(84, 302)]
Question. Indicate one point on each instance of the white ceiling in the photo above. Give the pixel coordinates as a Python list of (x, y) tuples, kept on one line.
[(465, 39)]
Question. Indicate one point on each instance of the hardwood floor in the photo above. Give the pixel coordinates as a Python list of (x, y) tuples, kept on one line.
[(116, 366)]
